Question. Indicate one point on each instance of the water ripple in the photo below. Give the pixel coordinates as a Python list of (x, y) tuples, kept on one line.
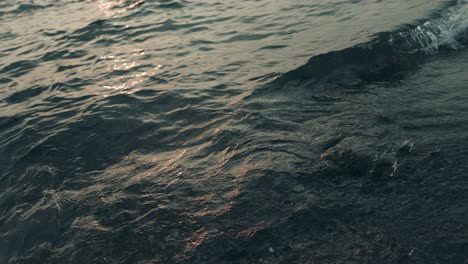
[(173, 131)]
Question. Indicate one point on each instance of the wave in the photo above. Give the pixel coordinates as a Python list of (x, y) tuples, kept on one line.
[(385, 57), (444, 31)]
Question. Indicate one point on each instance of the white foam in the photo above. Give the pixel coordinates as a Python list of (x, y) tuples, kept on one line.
[(440, 32)]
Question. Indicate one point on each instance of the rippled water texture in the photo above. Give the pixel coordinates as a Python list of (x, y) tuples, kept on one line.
[(160, 131)]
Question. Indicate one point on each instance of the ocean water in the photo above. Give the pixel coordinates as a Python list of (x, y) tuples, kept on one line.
[(176, 131)]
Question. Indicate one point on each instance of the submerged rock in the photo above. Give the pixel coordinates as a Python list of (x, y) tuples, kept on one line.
[(352, 163), (384, 168)]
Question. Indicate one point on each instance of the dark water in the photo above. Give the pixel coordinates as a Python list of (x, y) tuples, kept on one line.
[(298, 131)]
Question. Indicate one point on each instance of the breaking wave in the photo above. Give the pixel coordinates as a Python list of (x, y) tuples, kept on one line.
[(385, 57)]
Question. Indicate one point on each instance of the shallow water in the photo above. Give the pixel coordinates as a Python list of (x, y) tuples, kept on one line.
[(244, 132)]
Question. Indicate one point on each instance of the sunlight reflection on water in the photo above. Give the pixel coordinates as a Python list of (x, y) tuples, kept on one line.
[(112, 8)]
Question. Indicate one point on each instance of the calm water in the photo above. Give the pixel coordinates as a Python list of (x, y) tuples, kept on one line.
[(175, 131)]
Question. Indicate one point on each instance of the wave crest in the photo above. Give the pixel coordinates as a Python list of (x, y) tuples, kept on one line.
[(428, 37), (386, 57)]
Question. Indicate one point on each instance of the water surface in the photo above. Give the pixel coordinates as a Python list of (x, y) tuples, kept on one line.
[(233, 132)]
